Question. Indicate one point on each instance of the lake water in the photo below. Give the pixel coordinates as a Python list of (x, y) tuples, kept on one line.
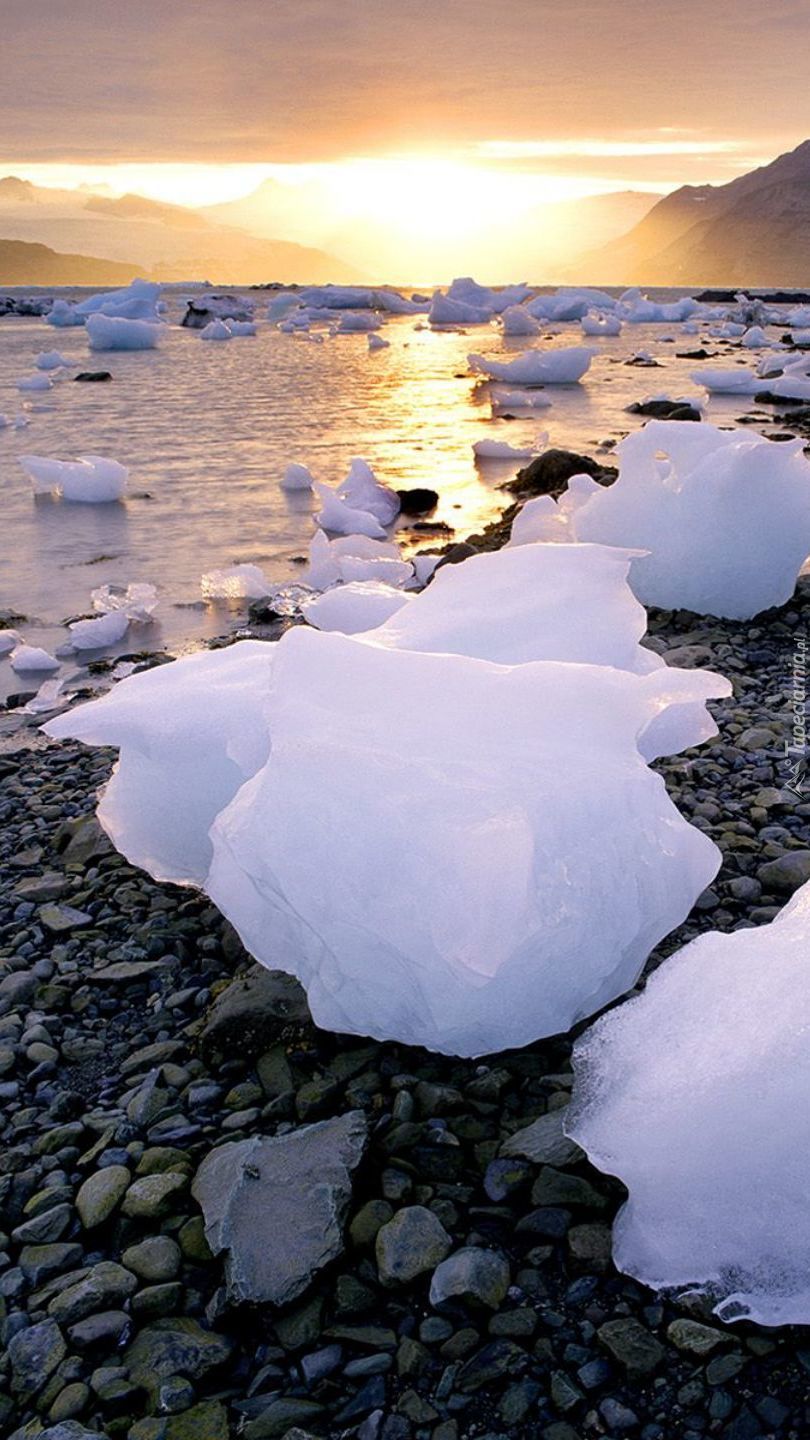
[(207, 430)]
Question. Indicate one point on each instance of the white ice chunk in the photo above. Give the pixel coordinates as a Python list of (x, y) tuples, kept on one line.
[(595, 323), (537, 367), (326, 556), (138, 601), (235, 582), (216, 330), (525, 399), (189, 735), (445, 311), (379, 567), (453, 853), (62, 315), (35, 382), (91, 479), (376, 342), (138, 301), (296, 477), (8, 639), (50, 360), (363, 491), (341, 519), (100, 632), (114, 332), (353, 323), (502, 450), (697, 1095), (516, 320), (360, 605), (30, 657)]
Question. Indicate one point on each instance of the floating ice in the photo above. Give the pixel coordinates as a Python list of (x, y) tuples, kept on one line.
[(521, 878), (138, 301), (138, 600), (98, 633), (501, 450), (114, 332), (8, 639), (351, 323), (376, 342), (296, 477), (516, 320), (62, 315), (202, 716), (536, 367), (50, 360), (445, 311), (525, 399), (30, 657), (636, 309), (357, 606), (90, 480), (600, 324), (242, 328), (391, 571), (216, 330), (362, 490), (738, 381), (466, 291), (35, 382), (235, 582), (755, 338), (569, 304), (724, 515), (697, 1095)]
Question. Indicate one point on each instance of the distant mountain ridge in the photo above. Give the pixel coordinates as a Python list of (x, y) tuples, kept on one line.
[(754, 231), (148, 237), (32, 264)]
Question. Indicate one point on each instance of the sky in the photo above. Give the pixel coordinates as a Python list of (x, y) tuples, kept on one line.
[(197, 101)]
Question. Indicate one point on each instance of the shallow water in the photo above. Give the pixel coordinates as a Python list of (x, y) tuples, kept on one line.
[(207, 430)]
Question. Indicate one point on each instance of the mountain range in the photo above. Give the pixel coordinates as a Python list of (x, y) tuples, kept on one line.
[(754, 231), (145, 237)]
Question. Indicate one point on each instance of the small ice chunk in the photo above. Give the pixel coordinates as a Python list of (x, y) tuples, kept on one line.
[(98, 633), (360, 323), (91, 479), (30, 657), (216, 330), (516, 320), (596, 323), (235, 582), (501, 450), (525, 399), (296, 477), (355, 607), (138, 601), (50, 360), (537, 367), (8, 639), (363, 491), (113, 332), (376, 342), (339, 518), (47, 699), (35, 382)]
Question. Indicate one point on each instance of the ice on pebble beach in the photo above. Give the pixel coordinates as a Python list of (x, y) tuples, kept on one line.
[(235, 582), (723, 514), (354, 607), (536, 367), (203, 715), (50, 360), (114, 332), (520, 848), (696, 1094), (528, 858), (340, 518), (516, 320), (90, 480), (31, 657), (101, 631), (296, 477)]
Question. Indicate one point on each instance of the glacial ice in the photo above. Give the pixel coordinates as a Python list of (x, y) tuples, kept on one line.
[(101, 631), (50, 360), (138, 301), (115, 332), (724, 516), (755, 338), (501, 450), (31, 657), (138, 600), (352, 323), (339, 518), (696, 1095), (376, 342), (536, 367), (62, 315), (326, 557), (216, 330), (235, 582), (202, 715), (356, 606), (537, 902), (519, 400), (446, 311), (600, 324), (91, 479), (516, 320), (466, 291), (391, 571), (8, 640), (40, 381), (363, 491), (296, 477), (738, 381)]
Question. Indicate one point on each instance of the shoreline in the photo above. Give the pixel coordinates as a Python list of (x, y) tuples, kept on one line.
[(124, 1055)]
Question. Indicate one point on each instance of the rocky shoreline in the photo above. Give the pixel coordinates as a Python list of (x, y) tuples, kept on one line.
[(463, 1288)]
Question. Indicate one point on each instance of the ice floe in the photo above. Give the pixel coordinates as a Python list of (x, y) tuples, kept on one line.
[(115, 332), (537, 367), (296, 477), (92, 479), (235, 582), (31, 657), (356, 606), (697, 1095)]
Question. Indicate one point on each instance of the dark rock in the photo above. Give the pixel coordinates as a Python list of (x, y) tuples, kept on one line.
[(419, 501), (93, 376), (255, 1009), (549, 473), (665, 410)]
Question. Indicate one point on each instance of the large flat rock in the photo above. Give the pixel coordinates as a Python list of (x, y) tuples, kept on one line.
[(278, 1205)]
